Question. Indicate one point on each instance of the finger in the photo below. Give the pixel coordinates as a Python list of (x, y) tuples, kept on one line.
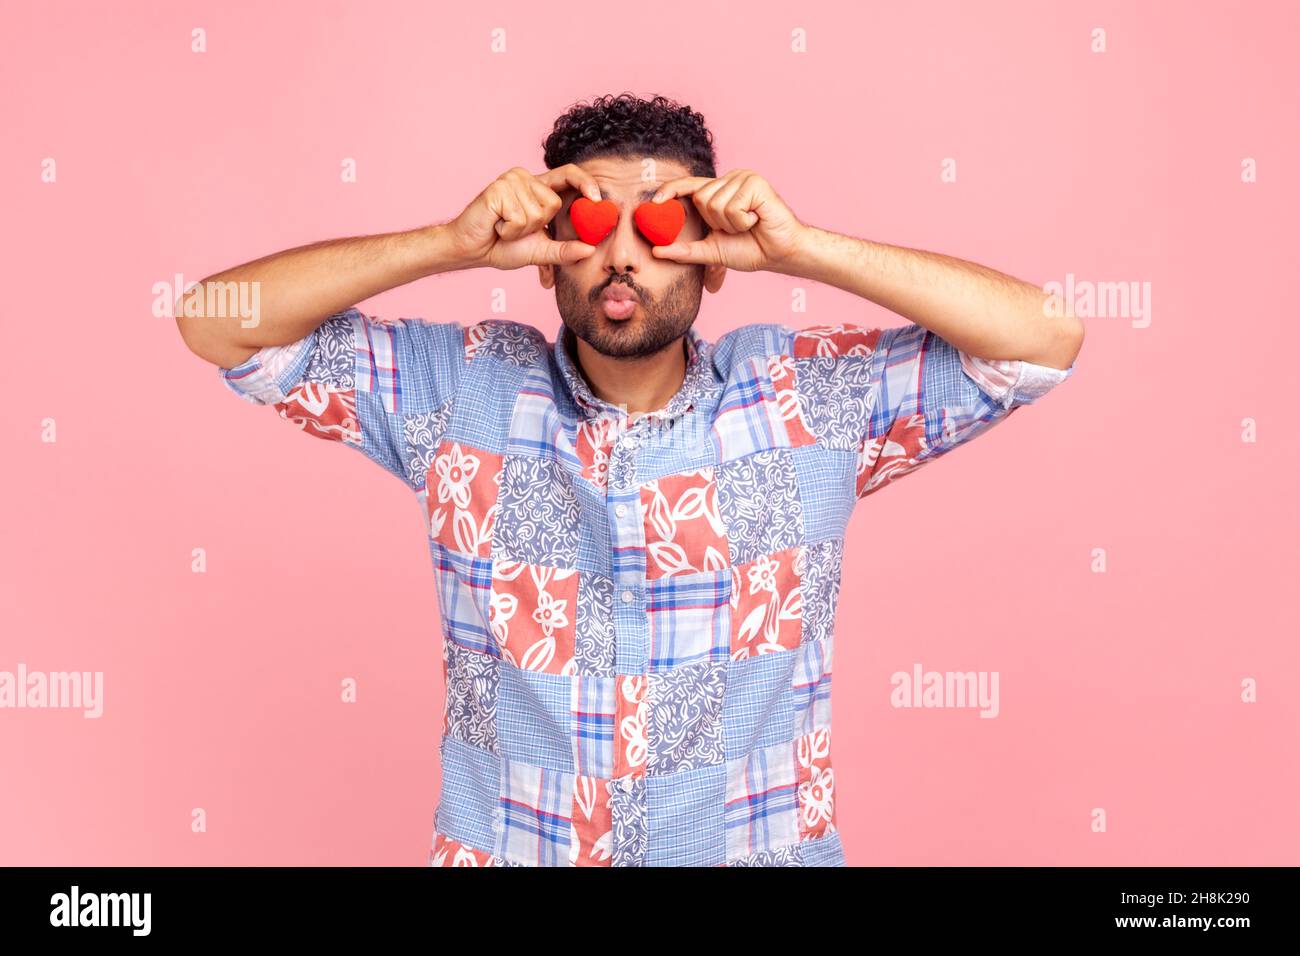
[(571, 174), (703, 199), (682, 186), (562, 253), (701, 252), (532, 206), (739, 210), (720, 201), (525, 213), (510, 218), (534, 216), (548, 199)]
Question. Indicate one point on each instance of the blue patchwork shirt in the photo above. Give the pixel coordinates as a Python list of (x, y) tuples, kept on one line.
[(637, 611)]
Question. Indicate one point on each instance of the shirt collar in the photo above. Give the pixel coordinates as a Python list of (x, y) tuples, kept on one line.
[(698, 382)]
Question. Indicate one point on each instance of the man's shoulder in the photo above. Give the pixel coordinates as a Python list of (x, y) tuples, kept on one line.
[(509, 342), (513, 343), (778, 341), (739, 347), (431, 362)]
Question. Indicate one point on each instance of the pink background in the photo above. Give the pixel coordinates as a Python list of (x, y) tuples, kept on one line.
[(1118, 690)]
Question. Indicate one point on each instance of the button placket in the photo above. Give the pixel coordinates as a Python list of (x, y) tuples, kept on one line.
[(627, 543), (622, 455), (629, 810)]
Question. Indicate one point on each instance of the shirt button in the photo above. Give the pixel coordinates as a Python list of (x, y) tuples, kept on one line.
[(628, 597), (621, 511)]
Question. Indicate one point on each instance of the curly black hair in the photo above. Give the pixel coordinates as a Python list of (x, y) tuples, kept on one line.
[(628, 126)]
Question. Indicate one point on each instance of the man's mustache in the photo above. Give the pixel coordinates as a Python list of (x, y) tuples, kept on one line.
[(599, 291)]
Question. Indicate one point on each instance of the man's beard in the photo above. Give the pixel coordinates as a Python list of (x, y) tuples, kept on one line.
[(663, 319)]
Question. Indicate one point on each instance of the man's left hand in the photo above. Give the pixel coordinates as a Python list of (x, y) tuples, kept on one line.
[(753, 228)]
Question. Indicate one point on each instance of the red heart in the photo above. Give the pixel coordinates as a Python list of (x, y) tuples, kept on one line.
[(593, 220), (660, 222)]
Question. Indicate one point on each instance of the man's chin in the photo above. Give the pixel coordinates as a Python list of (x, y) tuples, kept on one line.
[(619, 338), (603, 321), (638, 336)]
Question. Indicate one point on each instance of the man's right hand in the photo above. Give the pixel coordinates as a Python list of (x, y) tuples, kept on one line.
[(503, 226)]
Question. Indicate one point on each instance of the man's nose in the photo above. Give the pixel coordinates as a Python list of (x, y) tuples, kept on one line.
[(625, 249)]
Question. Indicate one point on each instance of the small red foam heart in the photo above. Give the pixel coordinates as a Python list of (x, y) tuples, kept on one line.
[(660, 222), (593, 221)]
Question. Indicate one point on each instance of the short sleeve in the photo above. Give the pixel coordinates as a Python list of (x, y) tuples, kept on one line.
[(902, 397), (359, 381)]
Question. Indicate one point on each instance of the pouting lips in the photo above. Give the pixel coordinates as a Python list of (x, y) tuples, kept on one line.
[(618, 301), (618, 292)]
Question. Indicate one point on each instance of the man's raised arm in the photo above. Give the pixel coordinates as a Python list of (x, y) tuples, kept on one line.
[(299, 288), (979, 344), (978, 310)]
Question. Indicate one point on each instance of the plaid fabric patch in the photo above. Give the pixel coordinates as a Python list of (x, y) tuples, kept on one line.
[(690, 619), (595, 713), (464, 594), (536, 815), (761, 801), (377, 361)]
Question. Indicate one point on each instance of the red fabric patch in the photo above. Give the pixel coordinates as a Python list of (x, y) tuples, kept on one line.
[(323, 412)]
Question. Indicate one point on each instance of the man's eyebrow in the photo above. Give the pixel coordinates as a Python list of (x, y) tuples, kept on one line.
[(646, 194)]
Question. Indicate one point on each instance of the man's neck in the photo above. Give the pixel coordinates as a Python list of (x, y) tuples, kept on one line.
[(642, 385)]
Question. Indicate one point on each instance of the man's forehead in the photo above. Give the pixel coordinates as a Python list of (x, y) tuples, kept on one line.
[(627, 178)]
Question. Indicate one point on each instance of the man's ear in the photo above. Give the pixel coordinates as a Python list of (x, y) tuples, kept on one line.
[(546, 274), (713, 276)]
